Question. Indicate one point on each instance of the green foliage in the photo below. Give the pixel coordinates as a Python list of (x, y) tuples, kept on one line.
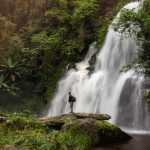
[(3, 84), (84, 10), (25, 130), (52, 46), (21, 120), (27, 61), (103, 30), (141, 22), (47, 35), (147, 97), (9, 74), (6, 29), (106, 125), (6, 86), (10, 70), (2, 111), (35, 105), (36, 141), (15, 45), (81, 141)]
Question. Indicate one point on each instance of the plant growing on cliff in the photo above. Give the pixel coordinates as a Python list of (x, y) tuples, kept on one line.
[(147, 97), (10, 70), (141, 22), (3, 84)]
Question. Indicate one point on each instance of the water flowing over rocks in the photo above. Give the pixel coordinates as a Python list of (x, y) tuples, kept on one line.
[(106, 89)]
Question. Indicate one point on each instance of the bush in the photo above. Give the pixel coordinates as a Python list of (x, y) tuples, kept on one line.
[(81, 141)]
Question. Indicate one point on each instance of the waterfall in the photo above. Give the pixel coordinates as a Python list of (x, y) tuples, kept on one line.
[(106, 90)]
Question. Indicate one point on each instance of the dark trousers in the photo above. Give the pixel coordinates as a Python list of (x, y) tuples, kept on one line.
[(71, 106)]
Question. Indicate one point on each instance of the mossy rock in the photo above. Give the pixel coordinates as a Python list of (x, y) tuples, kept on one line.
[(86, 126), (58, 132), (58, 121), (100, 132), (109, 133)]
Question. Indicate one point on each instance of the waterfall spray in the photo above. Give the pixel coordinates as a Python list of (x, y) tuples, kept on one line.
[(107, 90)]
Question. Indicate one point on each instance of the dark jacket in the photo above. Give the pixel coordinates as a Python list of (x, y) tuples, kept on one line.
[(71, 98)]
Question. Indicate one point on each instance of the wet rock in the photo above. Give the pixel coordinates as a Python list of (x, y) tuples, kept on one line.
[(110, 133), (2, 119), (94, 116), (58, 121), (56, 124), (91, 68), (11, 147), (71, 66), (146, 83)]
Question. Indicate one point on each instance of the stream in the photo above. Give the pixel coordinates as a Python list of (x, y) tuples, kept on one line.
[(139, 142)]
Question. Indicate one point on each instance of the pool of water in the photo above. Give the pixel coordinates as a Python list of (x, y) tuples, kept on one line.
[(139, 142)]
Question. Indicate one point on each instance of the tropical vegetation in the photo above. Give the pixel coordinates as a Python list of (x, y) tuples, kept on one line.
[(38, 39), (137, 24)]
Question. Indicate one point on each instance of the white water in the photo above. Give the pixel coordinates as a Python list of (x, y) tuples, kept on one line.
[(107, 90)]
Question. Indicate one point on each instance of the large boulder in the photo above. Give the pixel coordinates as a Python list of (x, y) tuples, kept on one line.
[(73, 131), (109, 133), (83, 126), (93, 125)]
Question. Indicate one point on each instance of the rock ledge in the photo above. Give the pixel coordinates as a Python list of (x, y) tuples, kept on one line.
[(100, 131)]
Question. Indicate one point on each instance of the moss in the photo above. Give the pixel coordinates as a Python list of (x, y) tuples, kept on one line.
[(67, 118), (33, 139), (106, 125), (38, 136), (2, 111), (25, 130), (110, 133), (81, 141)]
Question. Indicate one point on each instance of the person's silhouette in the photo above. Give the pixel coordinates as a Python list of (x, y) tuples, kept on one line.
[(71, 100)]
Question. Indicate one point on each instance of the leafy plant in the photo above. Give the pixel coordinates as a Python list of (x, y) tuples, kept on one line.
[(81, 141), (3, 85), (141, 22), (10, 70), (147, 97)]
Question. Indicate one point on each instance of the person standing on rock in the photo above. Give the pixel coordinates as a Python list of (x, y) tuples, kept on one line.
[(71, 100)]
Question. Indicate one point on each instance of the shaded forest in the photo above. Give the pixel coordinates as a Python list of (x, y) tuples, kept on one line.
[(38, 39)]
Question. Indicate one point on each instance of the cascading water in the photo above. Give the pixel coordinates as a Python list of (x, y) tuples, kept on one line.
[(107, 90)]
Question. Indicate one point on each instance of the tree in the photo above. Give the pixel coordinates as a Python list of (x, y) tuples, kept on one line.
[(141, 22), (10, 70)]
